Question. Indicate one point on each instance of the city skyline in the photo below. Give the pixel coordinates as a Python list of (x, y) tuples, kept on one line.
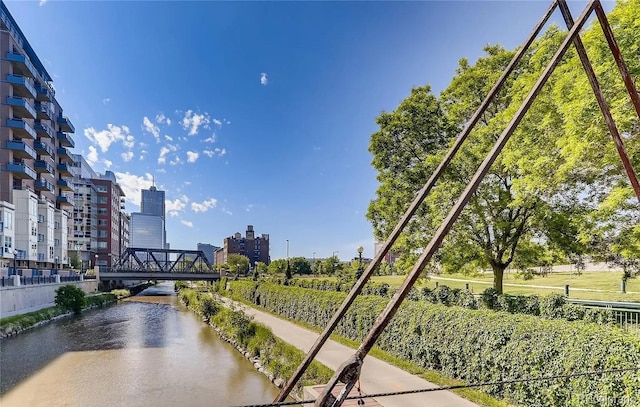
[(270, 128)]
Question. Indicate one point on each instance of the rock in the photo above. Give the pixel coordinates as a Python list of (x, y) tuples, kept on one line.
[(257, 365), (278, 382)]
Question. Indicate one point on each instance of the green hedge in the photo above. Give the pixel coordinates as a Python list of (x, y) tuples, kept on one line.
[(480, 345)]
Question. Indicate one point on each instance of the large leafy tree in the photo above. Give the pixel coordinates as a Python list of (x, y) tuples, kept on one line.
[(544, 187)]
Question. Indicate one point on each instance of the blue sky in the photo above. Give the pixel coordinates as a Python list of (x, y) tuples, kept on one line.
[(254, 112)]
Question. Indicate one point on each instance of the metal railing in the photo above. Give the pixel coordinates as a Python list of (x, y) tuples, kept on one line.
[(35, 280), (624, 314)]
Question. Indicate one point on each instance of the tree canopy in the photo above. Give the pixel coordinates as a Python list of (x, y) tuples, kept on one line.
[(558, 185)]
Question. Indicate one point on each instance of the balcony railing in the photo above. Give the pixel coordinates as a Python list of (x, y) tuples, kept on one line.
[(44, 110), (43, 185), (43, 129), (66, 125), (44, 93), (43, 166), (22, 107), (63, 200), (21, 129), (23, 64), (64, 184), (21, 170), (20, 149), (63, 169), (22, 86), (43, 147), (66, 140)]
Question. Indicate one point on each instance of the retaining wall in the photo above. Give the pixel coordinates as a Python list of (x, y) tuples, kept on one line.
[(27, 298)]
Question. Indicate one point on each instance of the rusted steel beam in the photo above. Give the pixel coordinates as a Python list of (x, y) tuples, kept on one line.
[(326, 399), (633, 93), (422, 194)]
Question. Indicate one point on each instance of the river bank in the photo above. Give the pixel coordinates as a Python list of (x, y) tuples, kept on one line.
[(270, 355)]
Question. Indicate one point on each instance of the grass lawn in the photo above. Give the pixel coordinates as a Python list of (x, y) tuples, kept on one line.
[(593, 280), (602, 285)]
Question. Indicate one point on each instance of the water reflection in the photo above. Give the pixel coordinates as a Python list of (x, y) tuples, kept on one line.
[(147, 351)]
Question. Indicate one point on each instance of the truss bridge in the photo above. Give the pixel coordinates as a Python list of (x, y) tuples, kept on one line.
[(161, 264)]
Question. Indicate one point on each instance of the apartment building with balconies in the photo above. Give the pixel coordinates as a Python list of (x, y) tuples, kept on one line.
[(35, 188), (110, 203)]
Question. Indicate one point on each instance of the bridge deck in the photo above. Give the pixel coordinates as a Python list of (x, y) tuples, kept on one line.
[(161, 276)]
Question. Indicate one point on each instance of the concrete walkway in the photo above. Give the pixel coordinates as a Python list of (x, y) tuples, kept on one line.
[(376, 377)]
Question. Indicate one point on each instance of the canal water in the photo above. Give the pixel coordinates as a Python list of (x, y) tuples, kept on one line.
[(146, 351)]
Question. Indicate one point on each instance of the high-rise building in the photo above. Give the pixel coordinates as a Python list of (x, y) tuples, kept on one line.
[(148, 230), (255, 248), (35, 187), (152, 202)]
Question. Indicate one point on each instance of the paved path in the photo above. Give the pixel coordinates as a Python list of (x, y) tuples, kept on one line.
[(377, 376)]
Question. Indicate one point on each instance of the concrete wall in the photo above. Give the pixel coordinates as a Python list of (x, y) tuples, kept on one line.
[(28, 298)]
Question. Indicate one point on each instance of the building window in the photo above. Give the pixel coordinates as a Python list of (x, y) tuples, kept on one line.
[(56, 242), (8, 220), (102, 222), (56, 225), (7, 244), (102, 233), (102, 211), (102, 245), (102, 199), (50, 251)]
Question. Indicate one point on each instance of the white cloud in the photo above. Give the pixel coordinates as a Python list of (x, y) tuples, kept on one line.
[(161, 171), (249, 207), (216, 151), (104, 138), (131, 185), (107, 163), (211, 139), (92, 157), (187, 223), (217, 122), (105, 101), (164, 150), (161, 118), (204, 206), (192, 156), (193, 121), (176, 206), (143, 155), (148, 126), (168, 138), (227, 211), (42, 2), (177, 161), (163, 153), (263, 79), (126, 157), (143, 145)]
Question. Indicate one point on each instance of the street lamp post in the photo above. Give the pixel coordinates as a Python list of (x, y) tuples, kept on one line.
[(359, 272), (287, 274), (15, 255), (55, 263)]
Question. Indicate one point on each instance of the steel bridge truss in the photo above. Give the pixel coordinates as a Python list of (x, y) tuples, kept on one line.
[(349, 372), (160, 261)]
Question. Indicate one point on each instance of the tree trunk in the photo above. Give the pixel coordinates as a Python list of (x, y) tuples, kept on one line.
[(498, 274)]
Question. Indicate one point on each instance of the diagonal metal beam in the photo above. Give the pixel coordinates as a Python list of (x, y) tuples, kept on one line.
[(422, 194), (349, 371), (633, 93)]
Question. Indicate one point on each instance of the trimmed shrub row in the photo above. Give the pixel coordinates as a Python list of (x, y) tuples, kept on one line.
[(480, 345), (552, 307)]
